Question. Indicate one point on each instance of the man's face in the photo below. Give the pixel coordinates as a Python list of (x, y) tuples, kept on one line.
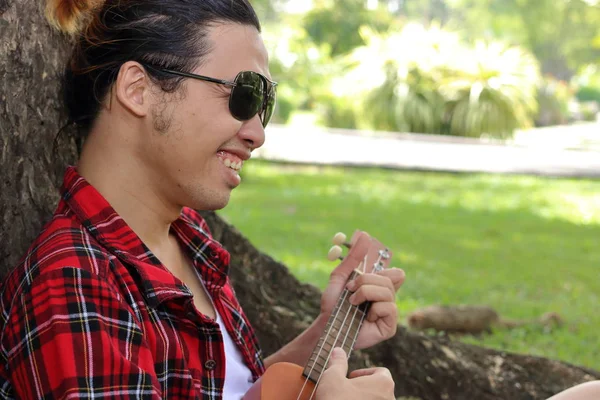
[(196, 160)]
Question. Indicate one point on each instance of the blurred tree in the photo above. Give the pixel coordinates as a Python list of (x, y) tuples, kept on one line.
[(553, 97), (267, 10), (426, 11), (426, 80), (336, 24), (562, 34)]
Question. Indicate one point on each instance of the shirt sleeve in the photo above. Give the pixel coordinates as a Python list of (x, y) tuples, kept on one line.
[(70, 335)]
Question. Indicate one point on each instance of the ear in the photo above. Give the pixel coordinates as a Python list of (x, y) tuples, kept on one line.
[(133, 88)]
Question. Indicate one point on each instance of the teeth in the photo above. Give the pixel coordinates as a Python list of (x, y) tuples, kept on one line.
[(236, 166)]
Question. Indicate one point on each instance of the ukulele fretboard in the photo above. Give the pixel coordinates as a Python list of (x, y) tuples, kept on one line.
[(341, 331)]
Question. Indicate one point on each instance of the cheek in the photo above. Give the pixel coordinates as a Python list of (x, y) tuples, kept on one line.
[(196, 133)]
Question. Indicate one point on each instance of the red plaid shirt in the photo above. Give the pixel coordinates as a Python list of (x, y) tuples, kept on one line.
[(91, 313)]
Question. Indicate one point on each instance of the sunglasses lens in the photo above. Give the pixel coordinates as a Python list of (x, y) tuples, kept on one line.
[(269, 107), (247, 97)]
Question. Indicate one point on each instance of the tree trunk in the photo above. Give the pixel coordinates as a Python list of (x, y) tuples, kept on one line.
[(31, 60)]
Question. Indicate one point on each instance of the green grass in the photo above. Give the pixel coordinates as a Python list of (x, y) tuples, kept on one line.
[(523, 245)]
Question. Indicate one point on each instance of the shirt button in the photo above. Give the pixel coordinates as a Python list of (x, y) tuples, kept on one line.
[(210, 365)]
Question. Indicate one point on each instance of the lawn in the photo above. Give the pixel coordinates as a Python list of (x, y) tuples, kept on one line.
[(523, 245)]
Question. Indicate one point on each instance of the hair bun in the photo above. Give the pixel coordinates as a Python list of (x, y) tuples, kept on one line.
[(70, 16)]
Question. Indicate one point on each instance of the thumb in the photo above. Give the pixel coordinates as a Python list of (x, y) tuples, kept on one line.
[(338, 361)]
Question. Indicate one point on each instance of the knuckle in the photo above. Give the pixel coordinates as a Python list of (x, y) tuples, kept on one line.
[(361, 291), (390, 284), (392, 332), (360, 279), (387, 380), (384, 373)]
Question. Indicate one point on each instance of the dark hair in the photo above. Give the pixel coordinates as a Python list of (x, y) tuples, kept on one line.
[(161, 33)]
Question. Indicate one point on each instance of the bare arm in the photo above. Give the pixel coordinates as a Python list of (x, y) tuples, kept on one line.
[(585, 391), (298, 350)]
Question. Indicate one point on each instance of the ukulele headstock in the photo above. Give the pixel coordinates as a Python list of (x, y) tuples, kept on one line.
[(365, 253)]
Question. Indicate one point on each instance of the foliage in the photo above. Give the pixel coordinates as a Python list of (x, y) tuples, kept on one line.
[(587, 83), (554, 97), (299, 65), (334, 111), (494, 93), (588, 93), (428, 81), (312, 53), (562, 34), (523, 245), (306, 53), (336, 24)]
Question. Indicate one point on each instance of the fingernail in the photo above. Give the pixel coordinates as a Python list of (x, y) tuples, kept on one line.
[(351, 285)]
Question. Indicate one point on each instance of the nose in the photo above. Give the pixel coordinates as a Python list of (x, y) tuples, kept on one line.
[(252, 132)]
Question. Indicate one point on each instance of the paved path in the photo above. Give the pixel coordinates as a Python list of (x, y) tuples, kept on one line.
[(425, 152)]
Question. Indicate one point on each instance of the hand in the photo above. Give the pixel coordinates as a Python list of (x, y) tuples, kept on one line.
[(380, 289), (363, 384)]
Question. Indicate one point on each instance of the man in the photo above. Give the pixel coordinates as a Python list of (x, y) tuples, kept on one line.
[(125, 294)]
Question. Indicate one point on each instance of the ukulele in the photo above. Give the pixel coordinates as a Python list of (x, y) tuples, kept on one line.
[(287, 381)]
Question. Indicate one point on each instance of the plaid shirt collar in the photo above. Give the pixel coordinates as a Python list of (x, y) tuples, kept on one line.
[(159, 285)]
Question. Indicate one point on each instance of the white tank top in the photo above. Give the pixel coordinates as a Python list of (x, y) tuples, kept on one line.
[(238, 377)]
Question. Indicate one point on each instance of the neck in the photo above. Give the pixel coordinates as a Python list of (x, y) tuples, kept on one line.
[(125, 184)]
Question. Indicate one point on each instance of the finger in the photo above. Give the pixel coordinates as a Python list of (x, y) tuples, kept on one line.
[(338, 362), (396, 275), (370, 371), (371, 293), (385, 316), (371, 279), (362, 372), (381, 377), (345, 268)]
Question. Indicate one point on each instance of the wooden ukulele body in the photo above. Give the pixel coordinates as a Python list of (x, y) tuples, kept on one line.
[(281, 381)]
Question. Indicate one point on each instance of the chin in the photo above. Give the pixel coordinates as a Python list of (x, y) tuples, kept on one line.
[(213, 203)]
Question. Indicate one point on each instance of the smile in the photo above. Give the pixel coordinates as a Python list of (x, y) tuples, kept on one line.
[(230, 160)]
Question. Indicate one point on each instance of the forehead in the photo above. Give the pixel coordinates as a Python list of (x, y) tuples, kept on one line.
[(235, 48)]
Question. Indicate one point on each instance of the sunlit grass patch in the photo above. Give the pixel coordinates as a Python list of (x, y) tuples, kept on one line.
[(523, 245)]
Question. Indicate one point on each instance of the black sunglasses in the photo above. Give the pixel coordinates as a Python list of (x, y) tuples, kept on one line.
[(251, 94)]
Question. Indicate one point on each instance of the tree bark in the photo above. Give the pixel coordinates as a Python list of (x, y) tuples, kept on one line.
[(31, 61), (32, 58)]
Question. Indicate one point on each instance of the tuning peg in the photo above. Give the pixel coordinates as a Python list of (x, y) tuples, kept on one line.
[(335, 253), (339, 239)]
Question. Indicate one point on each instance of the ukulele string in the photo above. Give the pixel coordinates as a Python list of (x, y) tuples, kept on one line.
[(377, 267), (355, 334), (332, 347), (363, 266), (320, 349), (356, 308)]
